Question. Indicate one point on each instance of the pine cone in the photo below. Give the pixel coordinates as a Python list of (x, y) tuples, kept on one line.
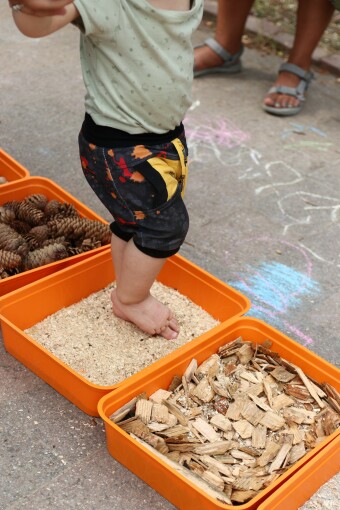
[(21, 227), (12, 241), (9, 260), (57, 240), (46, 255), (71, 228), (13, 205), (90, 244), (52, 208), (81, 228), (38, 201), (36, 236), (27, 212), (65, 211), (97, 230), (6, 215)]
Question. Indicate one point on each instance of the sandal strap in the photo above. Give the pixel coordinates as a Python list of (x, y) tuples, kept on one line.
[(221, 52), (300, 89), (297, 92), (307, 76)]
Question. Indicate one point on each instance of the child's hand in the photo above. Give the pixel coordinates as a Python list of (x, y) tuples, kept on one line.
[(41, 7)]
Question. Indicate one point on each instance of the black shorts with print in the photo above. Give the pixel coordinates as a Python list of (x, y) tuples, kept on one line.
[(141, 180)]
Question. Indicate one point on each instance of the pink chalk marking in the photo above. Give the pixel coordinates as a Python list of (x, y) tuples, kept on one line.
[(222, 133)]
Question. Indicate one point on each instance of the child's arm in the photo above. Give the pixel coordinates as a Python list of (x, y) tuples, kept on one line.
[(35, 26), (43, 7)]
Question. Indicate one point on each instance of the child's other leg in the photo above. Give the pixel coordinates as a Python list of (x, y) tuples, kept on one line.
[(132, 300)]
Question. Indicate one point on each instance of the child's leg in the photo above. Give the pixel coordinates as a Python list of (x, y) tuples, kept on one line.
[(132, 300), (118, 246)]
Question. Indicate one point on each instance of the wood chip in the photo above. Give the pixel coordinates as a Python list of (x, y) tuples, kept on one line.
[(259, 436), (282, 375), (175, 383), (282, 401), (160, 413), (206, 430), (204, 391), (218, 448), (298, 415), (190, 371), (242, 496), (310, 387), (271, 450), (183, 420), (272, 420), (158, 396), (144, 410), (245, 354), (243, 428), (123, 411), (296, 453), (215, 464), (221, 422), (252, 413), (281, 456)]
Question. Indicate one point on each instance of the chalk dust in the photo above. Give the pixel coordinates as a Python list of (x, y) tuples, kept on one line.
[(105, 349)]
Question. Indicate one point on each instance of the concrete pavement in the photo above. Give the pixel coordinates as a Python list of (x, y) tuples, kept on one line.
[(263, 198)]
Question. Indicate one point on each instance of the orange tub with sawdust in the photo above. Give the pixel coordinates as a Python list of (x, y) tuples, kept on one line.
[(31, 185), (301, 486), (11, 170), (166, 480), (23, 308)]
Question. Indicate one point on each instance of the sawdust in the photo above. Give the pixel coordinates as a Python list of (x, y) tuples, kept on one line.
[(105, 349)]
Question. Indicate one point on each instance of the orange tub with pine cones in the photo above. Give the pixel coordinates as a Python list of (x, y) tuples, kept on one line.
[(161, 473), (35, 214), (25, 307), (10, 170)]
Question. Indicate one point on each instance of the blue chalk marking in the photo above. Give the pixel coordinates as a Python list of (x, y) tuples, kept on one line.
[(274, 288)]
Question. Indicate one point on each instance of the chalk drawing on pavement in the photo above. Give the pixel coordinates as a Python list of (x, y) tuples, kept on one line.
[(275, 288)]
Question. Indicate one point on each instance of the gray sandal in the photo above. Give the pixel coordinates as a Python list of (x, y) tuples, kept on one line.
[(297, 92), (231, 63)]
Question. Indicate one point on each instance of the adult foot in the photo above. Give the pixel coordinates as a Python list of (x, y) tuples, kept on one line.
[(211, 57), (287, 95), (150, 315), (205, 58), (279, 100)]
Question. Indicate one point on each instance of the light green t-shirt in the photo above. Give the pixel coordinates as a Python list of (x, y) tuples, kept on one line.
[(137, 63)]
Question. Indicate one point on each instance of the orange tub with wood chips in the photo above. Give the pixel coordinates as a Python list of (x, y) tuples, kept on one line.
[(182, 492)]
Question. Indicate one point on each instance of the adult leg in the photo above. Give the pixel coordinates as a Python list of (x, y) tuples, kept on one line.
[(231, 19), (312, 20), (132, 301)]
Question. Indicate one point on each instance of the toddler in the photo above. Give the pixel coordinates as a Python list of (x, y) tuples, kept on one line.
[(137, 62)]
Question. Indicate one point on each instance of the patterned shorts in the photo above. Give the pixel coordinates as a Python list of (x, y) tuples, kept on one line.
[(142, 187)]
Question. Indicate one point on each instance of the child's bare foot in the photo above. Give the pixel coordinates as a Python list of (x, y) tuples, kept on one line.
[(149, 315)]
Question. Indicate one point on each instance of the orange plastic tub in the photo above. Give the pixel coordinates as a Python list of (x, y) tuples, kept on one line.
[(157, 473), (18, 191), (301, 486), (24, 307), (10, 169)]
